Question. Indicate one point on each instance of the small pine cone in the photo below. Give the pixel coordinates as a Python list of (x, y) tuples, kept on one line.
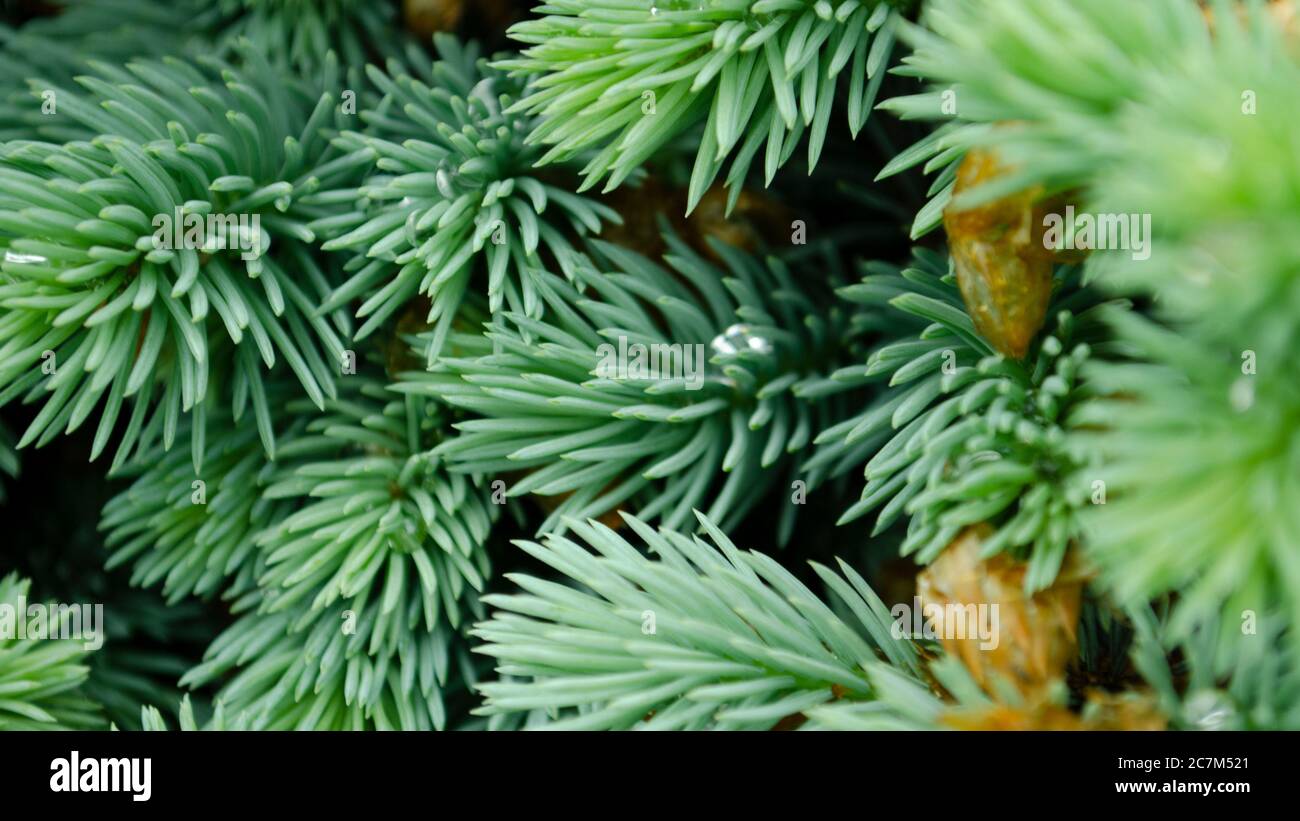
[(1036, 637), (1004, 271)]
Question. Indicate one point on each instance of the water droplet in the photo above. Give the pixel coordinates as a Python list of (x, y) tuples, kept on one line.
[(446, 179), (1211, 710), (738, 339), (23, 259)]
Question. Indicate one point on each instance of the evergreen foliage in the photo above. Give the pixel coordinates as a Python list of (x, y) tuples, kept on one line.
[(626, 78), (126, 317), (1149, 110), (300, 33), (41, 678), (665, 433), (703, 635), (1215, 524), (430, 446), (962, 435), (451, 184)]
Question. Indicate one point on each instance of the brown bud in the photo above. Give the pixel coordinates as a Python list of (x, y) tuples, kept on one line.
[(1036, 638), (1003, 269)]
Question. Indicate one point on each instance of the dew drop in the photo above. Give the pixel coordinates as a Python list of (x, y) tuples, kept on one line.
[(738, 339), (1211, 710), (23, 259), (446, 179)]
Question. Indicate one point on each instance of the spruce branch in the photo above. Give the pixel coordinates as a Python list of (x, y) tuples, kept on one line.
[(451, 189), (1058, 70), (1251, 681), (962, 435), (195, 531), (701, 636), (368, 553), (99, 311), (383, 521), (113, 31), (301, 669), (1222, 265), (1200, 464), (353, 496), (1129, 108), (41, 678), (298, 34), (555, 405), (628, 77)]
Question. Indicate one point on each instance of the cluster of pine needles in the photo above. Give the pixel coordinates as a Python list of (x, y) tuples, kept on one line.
[(360, 460)]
